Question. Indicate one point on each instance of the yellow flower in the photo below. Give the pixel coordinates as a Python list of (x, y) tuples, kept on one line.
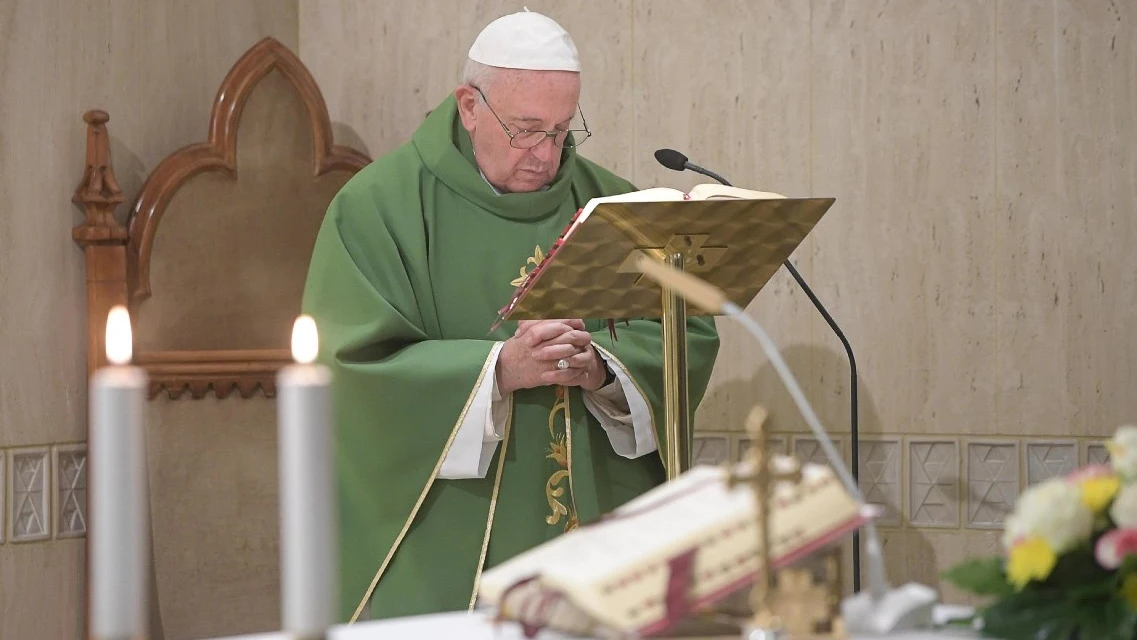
[(1098, 484), (1031, 559), (1099, 491), (1129, 590)]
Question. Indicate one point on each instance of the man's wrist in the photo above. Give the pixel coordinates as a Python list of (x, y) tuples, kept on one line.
[(504, 380), (609, 374), (498, 379)]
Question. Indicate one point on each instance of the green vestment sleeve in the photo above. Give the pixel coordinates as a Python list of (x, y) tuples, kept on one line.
[(639, 348), (390, 380)]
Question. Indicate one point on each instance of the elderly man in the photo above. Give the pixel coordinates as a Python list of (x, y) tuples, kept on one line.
[(459, 447)]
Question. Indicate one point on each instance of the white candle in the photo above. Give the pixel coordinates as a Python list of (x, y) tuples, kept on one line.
[(307, 492), (118, 540)]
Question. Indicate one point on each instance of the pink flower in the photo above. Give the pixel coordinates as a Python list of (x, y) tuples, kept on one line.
[(1089, 471), (1112, 547)]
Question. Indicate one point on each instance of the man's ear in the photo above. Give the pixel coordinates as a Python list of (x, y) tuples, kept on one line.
[(467, 98)]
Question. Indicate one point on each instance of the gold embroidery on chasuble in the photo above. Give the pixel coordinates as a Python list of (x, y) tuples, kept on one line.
[(561, 507), (535, 260), (560, 452)]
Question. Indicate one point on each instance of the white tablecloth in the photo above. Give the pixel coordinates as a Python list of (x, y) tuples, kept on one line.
[(479, 626)]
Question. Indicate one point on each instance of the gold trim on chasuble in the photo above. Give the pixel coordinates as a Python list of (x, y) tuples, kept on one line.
[(493, 507), (560, 442), (650, 413), (560, 451), (426, 489)]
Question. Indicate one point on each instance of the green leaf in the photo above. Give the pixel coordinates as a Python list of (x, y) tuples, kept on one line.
[(1078, 567), (1047, 614), (1027, 617), (1009, 623), (981, 576), (1128, 565), (1091, 591), (1112, 619)]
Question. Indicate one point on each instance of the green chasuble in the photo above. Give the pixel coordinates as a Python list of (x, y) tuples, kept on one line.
[(415, 256)]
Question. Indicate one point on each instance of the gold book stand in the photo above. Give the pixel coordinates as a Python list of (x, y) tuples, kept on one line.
[(735, 244)]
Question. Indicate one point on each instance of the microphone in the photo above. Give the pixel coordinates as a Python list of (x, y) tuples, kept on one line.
[(676, 161), (883, 610)]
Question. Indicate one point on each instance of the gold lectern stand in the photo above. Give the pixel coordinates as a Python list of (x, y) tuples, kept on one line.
[(735, 244)]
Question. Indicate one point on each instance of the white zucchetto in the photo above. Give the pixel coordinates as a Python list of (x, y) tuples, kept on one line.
[(526, 40)]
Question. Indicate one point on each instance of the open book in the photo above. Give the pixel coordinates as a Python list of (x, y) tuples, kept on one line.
[(655, 194), (663, 556), (664, 194)]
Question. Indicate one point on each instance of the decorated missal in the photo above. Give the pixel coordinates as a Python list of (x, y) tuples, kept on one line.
[(679, 549)]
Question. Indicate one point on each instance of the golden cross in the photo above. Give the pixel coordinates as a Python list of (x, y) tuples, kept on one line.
[(801, 603), (697, 256)]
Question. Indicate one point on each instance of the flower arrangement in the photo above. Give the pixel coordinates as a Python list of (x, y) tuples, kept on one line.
[(1069, 565)]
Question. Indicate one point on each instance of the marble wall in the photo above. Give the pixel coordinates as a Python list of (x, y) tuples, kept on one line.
[(983, 156), (984, 160), (154, 66)]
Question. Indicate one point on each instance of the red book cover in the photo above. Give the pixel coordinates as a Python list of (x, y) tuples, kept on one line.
[(536, 273)]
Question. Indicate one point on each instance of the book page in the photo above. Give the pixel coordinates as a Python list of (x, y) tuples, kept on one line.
[(655, 194), (601, 546), (660, 531), (721, 191)]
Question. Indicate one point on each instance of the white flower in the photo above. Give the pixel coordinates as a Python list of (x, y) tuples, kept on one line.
[(1052, 510), (1123, 452), (1124, 508)]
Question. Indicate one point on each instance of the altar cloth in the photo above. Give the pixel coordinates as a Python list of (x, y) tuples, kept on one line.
[(480, 625)]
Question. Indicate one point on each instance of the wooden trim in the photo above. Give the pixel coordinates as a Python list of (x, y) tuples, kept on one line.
[(118, 257), (219, 152), (220, 372), (103, 241), (218, 358), (199, 386), (100, 235)]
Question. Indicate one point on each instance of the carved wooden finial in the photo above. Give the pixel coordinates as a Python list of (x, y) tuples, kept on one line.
[(98, 192), (96, 116)]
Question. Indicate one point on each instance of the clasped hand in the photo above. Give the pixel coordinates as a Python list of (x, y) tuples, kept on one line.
[(529, 358)]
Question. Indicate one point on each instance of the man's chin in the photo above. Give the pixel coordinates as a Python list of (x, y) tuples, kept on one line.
[(528, 182)]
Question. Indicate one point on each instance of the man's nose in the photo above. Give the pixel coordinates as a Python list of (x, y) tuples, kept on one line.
[(545, 151)]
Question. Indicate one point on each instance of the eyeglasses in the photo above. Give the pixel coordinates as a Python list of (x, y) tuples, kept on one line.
[(527, 139)]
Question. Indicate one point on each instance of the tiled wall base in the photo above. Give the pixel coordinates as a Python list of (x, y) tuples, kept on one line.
[(943, 498), (43, 493)]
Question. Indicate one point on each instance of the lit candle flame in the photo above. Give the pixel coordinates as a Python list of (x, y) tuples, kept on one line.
[(120, 341), (305, 340)]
